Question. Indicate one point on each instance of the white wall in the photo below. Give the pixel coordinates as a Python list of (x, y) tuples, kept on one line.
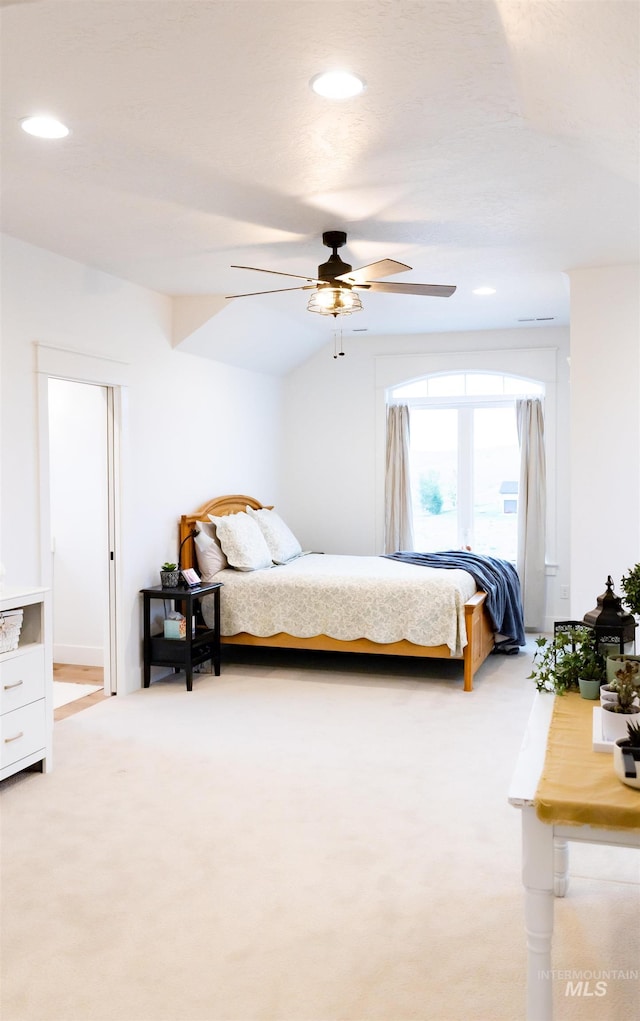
[(79, 525), (334, 414), (605, 429), (193, 428)]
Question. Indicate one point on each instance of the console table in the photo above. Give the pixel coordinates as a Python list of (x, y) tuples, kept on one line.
[(544, 843)]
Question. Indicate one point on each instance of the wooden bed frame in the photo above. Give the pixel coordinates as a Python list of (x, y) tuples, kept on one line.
[(480, 638)]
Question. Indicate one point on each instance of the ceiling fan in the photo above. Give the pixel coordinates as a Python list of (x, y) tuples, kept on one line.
[(336, 285)]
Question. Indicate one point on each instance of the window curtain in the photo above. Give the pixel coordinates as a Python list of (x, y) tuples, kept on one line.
[(398, 514), (532, 501)]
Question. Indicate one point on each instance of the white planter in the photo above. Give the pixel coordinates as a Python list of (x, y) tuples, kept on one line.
[(619, 763), (614, 725), (615, 661), (612, 696)]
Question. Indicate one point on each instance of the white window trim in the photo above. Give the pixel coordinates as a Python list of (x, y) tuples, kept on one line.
[(508, 401)]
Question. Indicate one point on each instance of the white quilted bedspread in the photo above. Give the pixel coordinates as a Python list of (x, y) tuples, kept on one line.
[(347, 597)]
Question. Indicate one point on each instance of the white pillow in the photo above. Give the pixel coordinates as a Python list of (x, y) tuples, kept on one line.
[(209, 554), (242, 542), (282, 543)]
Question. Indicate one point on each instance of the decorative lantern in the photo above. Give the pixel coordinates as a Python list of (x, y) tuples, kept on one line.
[(615, 629)]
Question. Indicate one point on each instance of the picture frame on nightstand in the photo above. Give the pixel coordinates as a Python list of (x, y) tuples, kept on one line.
[(190, 577)]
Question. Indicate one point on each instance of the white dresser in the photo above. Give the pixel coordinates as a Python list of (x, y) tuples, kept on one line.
[(26, 686)]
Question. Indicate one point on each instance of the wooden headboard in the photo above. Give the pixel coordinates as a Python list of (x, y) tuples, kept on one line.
[(219, 506)]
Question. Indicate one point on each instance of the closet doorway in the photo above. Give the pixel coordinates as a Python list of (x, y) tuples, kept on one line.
[(81, 399), (79, 501)]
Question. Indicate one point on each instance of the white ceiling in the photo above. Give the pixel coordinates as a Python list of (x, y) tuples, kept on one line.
[(496, 143)]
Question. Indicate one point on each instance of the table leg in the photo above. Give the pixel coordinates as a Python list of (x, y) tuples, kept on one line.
[(187, 609), (146, 641), (560, 866), (538, 878), (216, 639)]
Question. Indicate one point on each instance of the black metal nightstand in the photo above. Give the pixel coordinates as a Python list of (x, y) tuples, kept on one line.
[(194, 648)]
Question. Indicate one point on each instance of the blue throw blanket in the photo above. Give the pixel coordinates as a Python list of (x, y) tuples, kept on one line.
[(498, 578)]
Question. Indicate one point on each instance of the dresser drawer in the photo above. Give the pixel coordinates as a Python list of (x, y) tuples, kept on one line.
[(21, 679), (22, 732)]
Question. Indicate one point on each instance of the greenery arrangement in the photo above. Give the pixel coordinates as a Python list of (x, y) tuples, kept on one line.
[(630, 585), (169, 567), (560, 662)]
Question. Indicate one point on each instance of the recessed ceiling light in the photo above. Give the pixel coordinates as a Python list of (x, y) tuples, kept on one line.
[(337, 84), (44, 127), (484, 290)]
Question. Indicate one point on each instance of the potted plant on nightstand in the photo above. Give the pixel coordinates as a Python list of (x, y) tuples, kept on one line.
[(626, 755), (169, 575), (562, 662)]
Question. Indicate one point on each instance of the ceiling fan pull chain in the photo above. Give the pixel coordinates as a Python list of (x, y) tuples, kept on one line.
[(336, 353)]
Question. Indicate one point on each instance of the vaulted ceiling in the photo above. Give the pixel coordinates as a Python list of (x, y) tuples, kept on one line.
[(496, 144)]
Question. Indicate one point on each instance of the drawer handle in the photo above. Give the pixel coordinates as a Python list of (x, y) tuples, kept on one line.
[(8, 687), (8, 740)]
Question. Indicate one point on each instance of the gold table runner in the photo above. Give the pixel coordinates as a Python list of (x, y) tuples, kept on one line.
[(578, 786)]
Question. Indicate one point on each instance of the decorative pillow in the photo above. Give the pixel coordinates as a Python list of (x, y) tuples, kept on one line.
[(209, 554), (242, 542), (282, 543)]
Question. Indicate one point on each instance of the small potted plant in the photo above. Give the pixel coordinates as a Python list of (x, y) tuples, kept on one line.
[(630, 585), (615, 715), (615, 660), (169, 575), (626, 755), (593, 671), (562, 662)]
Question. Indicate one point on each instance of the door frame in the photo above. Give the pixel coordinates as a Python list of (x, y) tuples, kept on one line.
[(79, 367)]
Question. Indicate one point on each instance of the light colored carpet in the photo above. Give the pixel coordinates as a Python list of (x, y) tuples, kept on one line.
[(66, 691), (303, 839)]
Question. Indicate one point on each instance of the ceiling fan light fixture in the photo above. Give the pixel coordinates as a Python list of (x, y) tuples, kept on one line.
[(334, 301), (337, 84), (484, 291)]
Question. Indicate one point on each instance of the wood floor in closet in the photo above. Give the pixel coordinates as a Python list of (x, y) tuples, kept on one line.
[(78, 675)]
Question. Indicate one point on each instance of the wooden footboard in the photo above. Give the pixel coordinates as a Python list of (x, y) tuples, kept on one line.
[(480, 637), (480, 640)]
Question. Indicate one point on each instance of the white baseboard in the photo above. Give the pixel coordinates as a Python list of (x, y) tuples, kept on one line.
[(78, 655)]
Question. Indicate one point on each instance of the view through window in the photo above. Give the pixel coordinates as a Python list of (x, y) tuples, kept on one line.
[(465, 460)]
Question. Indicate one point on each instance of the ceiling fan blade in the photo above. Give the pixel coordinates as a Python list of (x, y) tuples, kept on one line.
[(432, 290), (278, 290), (256, 269), (375, 270)]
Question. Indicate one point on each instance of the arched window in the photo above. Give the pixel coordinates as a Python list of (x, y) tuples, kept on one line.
[(465, 459)]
